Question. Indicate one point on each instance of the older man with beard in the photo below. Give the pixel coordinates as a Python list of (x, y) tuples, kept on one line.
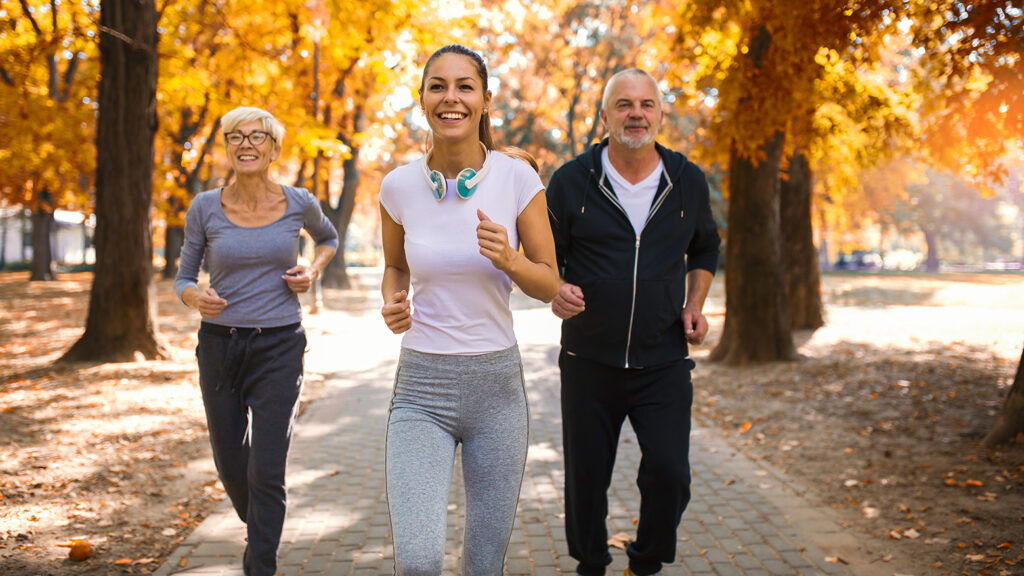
[(633, 233)]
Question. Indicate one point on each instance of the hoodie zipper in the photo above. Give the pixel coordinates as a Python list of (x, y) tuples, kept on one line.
[(636, 252)]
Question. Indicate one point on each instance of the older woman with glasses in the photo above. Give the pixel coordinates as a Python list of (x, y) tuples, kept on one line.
[(251, 339)]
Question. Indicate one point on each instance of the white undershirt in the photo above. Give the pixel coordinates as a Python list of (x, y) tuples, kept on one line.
[(635, 198)]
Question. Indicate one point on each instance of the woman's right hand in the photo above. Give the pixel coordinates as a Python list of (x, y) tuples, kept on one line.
[(209, 304), (398, 313)]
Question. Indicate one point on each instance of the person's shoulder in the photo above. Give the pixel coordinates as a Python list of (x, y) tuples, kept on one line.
[(505, 162), (402, 172), (298, 193), (677, 162), (207, 198)]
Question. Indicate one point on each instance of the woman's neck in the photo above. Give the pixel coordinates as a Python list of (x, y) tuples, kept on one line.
[(450, 158), (252, 186)]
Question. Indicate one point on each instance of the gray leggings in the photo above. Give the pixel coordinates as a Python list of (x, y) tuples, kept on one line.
[(439, 401)]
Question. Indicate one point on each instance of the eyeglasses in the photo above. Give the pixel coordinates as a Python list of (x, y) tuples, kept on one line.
[(255, 138)]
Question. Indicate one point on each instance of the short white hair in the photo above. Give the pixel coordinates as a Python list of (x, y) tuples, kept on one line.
[(628, 72), (232, 120)]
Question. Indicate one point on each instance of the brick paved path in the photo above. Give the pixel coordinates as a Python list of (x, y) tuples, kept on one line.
[(743, 518)]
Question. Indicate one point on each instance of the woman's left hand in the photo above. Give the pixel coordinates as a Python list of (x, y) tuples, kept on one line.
[(300, 278), (493, 240)]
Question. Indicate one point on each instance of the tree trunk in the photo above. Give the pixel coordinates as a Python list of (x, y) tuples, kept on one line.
[(931, 240), (756, 313), (121, 322), (336, 275), (174, 237), (1010, 421), (42, 240), (799, 256)]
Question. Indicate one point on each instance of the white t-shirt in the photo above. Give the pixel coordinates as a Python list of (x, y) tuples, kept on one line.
[(635, 198), (460, 301)]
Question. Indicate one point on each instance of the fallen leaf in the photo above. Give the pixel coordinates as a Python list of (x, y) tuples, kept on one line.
[(620, 541), (80, 550), (975, 557), (123, 561), (911, 533), (746, 427)]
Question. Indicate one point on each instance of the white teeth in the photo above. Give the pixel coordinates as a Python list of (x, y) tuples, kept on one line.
[(246, 157), (452, 116)]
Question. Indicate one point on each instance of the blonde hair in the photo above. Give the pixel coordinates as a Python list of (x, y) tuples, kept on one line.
[(232, 120)]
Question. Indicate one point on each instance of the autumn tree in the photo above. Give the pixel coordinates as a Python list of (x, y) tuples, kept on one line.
[(362, 62), (974, 72), (120, 323), (196, 60), (765, 60), (47, 88)]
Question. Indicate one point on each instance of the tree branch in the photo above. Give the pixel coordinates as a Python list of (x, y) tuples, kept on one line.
[(124, 38), (69, 76), (28, 14)]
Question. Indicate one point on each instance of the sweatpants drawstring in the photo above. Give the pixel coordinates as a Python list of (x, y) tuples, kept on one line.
[(237, 357)]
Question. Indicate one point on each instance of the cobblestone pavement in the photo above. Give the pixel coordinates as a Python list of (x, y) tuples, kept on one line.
[(743, 519)]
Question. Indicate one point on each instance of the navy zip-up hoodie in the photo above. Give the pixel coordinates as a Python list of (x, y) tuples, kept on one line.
[(634, 286)]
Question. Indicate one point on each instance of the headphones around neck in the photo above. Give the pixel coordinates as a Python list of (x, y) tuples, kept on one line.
[(465, 182)]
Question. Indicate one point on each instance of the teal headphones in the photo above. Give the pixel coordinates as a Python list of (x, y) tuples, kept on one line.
[(465, 182)]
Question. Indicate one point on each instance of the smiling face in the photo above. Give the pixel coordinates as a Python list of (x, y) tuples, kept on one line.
[(632, 112), (249, 158), (454, 97)]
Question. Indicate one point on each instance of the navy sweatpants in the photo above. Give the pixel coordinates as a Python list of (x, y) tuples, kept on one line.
[(251, 379)]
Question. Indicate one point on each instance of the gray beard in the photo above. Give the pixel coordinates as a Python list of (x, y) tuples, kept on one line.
[(634, 143)]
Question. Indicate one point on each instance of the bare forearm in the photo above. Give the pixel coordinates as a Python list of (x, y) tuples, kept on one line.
[(395, 280), (698, 284), (536, 279), (322, 256), (189, 297)]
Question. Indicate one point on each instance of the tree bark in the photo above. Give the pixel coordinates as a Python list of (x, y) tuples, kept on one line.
[(1010, 421), (756, 313), (799, 256), (174, 237), (42, 240), (336, 274), (121, 323), (931, 240)]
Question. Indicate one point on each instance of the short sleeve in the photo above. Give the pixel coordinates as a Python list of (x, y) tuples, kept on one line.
[(388, 200), (528, 184)]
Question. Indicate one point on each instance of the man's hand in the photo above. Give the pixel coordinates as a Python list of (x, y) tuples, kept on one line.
[(568, 302), (398, 312), (695, 325)]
